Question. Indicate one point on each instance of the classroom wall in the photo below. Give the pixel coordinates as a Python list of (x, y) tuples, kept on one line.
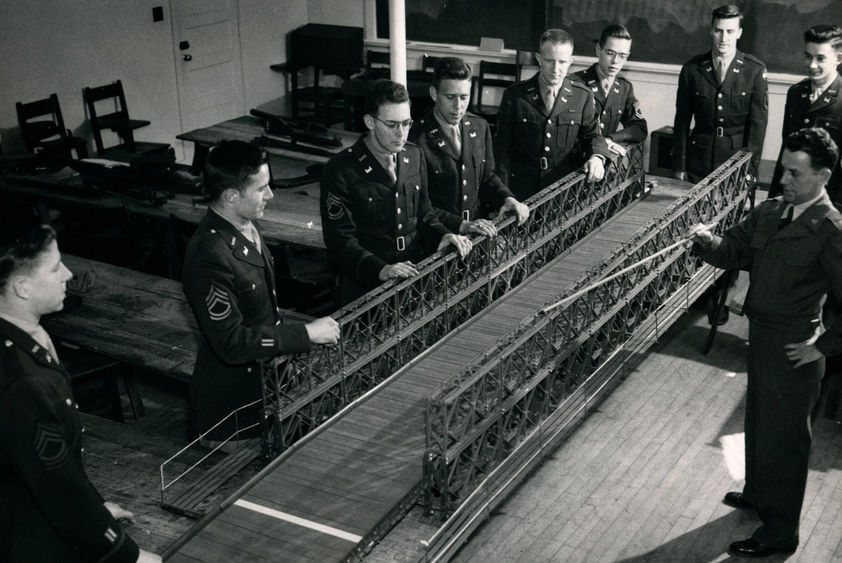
[(62, 46)]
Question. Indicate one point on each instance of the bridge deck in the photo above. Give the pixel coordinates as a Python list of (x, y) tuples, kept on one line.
[(321, 500)]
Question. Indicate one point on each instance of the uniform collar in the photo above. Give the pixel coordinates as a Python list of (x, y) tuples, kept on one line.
[(736, 66), (368, 166), (827, 97), (533, 94), (240, 246), (13, 335)]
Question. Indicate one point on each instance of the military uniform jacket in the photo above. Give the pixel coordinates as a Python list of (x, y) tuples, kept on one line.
[(370, 222), (459, 182), (825, 112), (49, 510), (728, 117), (231, 289), (533, 147), (615, 107), (791, 270)]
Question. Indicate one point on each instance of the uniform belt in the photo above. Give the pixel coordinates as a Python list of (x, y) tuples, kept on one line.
[(723, 131), (543, 163), (466, 214), (402, 241)]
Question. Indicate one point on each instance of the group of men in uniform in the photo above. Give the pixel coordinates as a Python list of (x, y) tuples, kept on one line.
[(386, 203)]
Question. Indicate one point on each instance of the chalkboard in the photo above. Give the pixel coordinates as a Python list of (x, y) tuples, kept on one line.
[(664, 31)]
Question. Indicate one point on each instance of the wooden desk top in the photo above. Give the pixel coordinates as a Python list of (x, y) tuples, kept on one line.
[(291, 218), (247, 127), (136, 318)]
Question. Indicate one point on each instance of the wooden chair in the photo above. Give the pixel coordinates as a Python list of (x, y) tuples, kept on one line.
[(42, 128), (117, 121), (377, 59), (492, 75), (524, 59), (320, 103), (428, 63)]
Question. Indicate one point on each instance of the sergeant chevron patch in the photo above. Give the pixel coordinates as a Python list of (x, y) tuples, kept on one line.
[(218, 303), (50, 445), (335, 210)]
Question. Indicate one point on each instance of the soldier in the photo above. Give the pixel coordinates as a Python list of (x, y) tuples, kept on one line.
[(49, 509), (613, 94), (816, 101), (460, 156), (376, 214), (546, 124), (229, 281), (725, 92), (793, 247)]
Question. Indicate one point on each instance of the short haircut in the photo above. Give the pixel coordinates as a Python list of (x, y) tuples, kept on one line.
[(557, 36), (614, 30), (384, 92), (817, 143), (824, 33), (20, 249), (450, 68), (229, 165), (727, 11)]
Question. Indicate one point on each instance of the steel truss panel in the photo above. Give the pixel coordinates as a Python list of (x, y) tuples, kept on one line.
[(479, 417), (388, 327)]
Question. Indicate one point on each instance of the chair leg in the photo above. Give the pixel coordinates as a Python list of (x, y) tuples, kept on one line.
[(133, 391)]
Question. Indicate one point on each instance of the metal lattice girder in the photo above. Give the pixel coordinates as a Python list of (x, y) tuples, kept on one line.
[(386, 328), (503, 394)]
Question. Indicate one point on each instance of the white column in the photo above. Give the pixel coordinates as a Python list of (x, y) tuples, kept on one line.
[(397, 40)]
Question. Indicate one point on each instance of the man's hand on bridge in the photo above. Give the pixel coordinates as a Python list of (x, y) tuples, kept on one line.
[(595, 169), (463, 244), (512, 205), (398, 270), (479, 226), (323, 331)]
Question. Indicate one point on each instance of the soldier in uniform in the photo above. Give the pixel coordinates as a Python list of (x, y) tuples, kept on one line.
[(49, 509), (793, 247), (816, 101), (377, 218), (460, 156), (547, 126), (725, 92), (229, 281), (613, 94)]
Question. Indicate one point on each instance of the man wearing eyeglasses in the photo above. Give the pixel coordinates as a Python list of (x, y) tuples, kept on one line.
[(460, 156), (547, 126), (725, 92), (377, 219), (613, 94)]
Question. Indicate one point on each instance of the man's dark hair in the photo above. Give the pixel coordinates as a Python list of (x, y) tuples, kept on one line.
[(229, 165), (20, 249), (824, 33), (384, 92), (614, 30), (726, 12), (450, 68), (817, 143), (558, 36)]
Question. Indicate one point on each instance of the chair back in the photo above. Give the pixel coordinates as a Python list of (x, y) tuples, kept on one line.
[(377, 59), (113, 92), (524, 59), (34, 130), (493, 75)]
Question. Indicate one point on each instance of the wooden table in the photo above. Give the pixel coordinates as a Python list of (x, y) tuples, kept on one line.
[(291, 218), (246, 128)]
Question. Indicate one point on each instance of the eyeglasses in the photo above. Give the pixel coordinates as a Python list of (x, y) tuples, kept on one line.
[(394, 125), (612, 54)]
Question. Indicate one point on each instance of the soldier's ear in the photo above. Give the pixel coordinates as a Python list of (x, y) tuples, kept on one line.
[(20, 286), (369, 121), (434, 93), (230, 195)]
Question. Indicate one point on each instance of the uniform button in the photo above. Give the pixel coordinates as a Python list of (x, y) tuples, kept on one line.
[(546, 149), (548, 121), (721, 119), (463, 167), (396, 194), (84, 430), (82, 450), (273, 292), (68, 402), (719, 95), (400, 226), (602, 125), (464, 182), (806, 120), (464, 198), (8, 343), (254, 285), (549, 135), (76, 405), (719, 107), (370, 199), (248, 370), (213, 231), (278, 323), (399, 210)]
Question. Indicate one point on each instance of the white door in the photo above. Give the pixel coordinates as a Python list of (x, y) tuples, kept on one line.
[(207, 61)]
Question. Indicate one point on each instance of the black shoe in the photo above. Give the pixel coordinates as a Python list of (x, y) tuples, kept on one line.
[(753, 548), (737, 500), (723, 317)]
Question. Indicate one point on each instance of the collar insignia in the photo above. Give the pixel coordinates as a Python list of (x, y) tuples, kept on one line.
[(367, 170), (406, 160), (472, 134)]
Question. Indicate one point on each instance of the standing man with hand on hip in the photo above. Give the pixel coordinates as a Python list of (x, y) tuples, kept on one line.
[(49, 509), (725, 92), (817, 100), (613, 94), (547, 123), (793, 247), (229, 281), (460, 156)]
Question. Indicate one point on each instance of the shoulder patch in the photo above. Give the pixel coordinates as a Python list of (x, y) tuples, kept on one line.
[(50, 446), (335, 209), (218, 303), (637, 111)]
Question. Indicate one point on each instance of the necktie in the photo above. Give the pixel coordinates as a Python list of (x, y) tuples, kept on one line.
[(814, 94), (453, 135), (391, 167), (787, 218), (255, 238), (721, 69), (550, 101)]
